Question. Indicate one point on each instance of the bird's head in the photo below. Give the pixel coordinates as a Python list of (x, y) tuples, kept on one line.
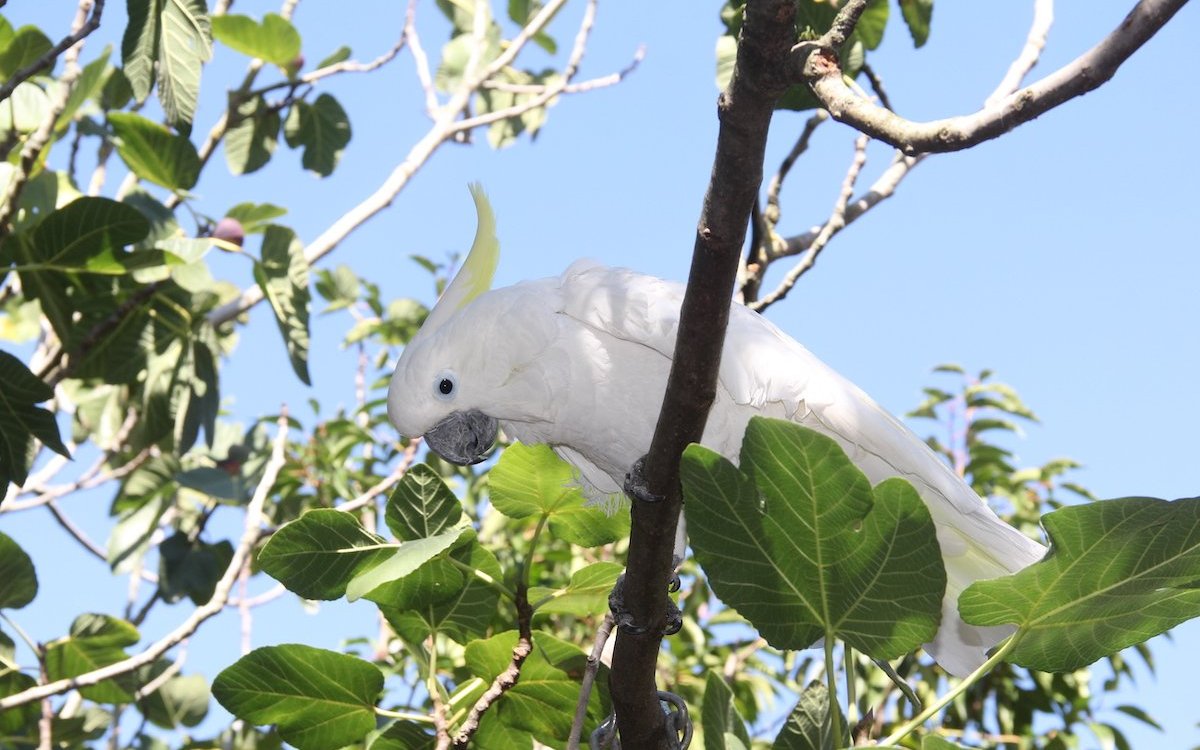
[(469, 365)]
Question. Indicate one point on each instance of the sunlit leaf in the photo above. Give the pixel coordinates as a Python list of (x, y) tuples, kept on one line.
[(155, 153), (798, 542), (1119, 572), (421, 505), (319, 553), (320, 700), (275, 40), (283, 277)]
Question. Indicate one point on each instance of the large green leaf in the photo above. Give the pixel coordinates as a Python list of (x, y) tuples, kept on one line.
[(322, 128), (14, 720), (543, 700), (255, 217), (85, 230), (427, 601), (719, 717), (319, 553), (95, 641), (421, 505), (802, 547), (320, 700), (586, 594), (252, 136), (155, 153), (283, 277), (168, 41), (405, 559), (530, 480), (1119, 572), (21, 420), (275, 40), (18, 579)]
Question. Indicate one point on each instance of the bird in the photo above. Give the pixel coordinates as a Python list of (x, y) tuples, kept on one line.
[(580, 361)]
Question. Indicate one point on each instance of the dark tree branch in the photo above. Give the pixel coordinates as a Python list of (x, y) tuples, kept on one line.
[(47, 59), (816, 63), (744, 110)]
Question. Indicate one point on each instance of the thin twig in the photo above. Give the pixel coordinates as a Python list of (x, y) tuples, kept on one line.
[(876, 86), (385, 484), (174, 668), (1035, 42), (818, 66), (589, 678), (346, 66), (420, 60), (77, 35), (75, 531), (251, 533), (835, 223)]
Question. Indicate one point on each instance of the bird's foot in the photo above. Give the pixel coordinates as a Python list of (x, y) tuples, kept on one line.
[(636, 486), (625, 620)]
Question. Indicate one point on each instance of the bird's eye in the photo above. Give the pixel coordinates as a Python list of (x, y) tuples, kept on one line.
[(444, 385)]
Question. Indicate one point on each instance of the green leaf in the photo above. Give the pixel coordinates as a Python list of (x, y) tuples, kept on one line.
[(95, 641), (275, 40), (405, 735), (429, 601), (154, 153), (531, 480), (322, 128), (191, 568), (341, 54), (183, 47), (255, 217), (320, 700), (543, 700), (808, 726), (89, 83), (800, 545), (168, 41), (719, 717), (404, 560), (26, 45), (283, 277), (18, 579), (25, 110), (339, 287), (21, 421), (917, 15), (872, 23), (934, 742), (586, 594), (181, 701), (422, 506), (14, 720), (139, 46), (252, 136), (1119, 572), (316, 555)]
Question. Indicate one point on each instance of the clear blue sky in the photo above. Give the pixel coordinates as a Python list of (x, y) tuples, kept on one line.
[(1063, 255)]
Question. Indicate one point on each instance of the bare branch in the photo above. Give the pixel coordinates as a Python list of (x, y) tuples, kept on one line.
[(589, 678), (346, 66), (818, 66), (252, 531), (835, 223), (420, 59), (46, 60), (1035, 42), (385, 484), (744, 110)]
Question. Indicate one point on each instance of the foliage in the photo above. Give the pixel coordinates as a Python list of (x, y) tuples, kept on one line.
[(120, 317)]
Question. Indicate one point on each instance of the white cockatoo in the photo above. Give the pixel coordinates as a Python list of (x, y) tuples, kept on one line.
[(580, 362)]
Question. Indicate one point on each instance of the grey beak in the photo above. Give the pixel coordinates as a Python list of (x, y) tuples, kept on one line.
[(464, 437)]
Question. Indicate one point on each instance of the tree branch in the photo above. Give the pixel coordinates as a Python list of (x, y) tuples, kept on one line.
[(817, 65), (744, 110), (47, 59), (252, 530)]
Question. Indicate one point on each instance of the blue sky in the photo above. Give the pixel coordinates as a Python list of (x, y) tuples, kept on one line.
[(1063, 255)]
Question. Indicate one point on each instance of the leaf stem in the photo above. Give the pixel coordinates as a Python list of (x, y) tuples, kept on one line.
[(835, 714), (851, 676), (404, 715), (481, 575), (958, 689)]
